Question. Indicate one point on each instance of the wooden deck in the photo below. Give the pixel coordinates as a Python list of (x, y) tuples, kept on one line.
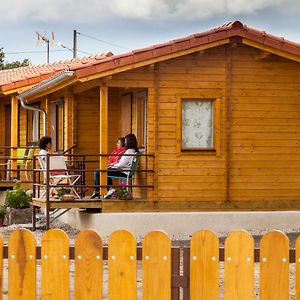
[(56, 203)]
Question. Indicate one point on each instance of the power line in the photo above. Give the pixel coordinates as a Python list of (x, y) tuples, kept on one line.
[(36, 51), (102, 41), (42, 51)]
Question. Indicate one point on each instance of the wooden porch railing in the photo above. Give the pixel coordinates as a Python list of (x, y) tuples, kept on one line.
[(14, 167), (154, 271), (84, 164)]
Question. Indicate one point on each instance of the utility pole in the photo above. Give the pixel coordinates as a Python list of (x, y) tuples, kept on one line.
[(75, 43), (48, 51)]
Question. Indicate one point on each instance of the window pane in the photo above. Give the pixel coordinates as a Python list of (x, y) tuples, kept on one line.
[(197, 124), (33, 126)]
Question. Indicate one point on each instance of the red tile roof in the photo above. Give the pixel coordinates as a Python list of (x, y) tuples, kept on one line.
[(234, 31), (229, 30), (22, 77)]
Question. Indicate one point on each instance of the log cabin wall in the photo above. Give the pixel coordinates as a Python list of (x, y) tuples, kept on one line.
[(265, 159), (2, 125), (4, 132), (183, 176), (22, 126)]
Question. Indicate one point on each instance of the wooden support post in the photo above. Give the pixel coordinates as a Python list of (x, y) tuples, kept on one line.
[(156, 130), (69, 119), (103, 134), (228, 88), (14, 135)]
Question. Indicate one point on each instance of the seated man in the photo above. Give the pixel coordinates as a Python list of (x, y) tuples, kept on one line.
[(120, 169)]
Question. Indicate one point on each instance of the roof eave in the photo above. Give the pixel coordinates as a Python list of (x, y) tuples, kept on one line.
[(50, 85)]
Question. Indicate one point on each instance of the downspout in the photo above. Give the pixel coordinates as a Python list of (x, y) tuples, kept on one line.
[(43, 86), (35, 109)]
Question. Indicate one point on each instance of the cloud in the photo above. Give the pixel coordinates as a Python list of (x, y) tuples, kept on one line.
[(101, 11)]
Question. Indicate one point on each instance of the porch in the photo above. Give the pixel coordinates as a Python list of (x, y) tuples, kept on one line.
[(46, 183)]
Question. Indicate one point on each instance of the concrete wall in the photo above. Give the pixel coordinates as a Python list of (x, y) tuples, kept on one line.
[(182, 225)]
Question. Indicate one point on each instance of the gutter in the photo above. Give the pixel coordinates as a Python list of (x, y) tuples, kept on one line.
[(47, 84), (43, 86), (21, 99)]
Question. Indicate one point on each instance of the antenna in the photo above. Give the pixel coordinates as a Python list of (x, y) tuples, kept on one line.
[(46, 40)]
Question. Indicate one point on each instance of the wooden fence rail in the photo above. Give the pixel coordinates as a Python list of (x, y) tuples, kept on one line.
[(167, 273)]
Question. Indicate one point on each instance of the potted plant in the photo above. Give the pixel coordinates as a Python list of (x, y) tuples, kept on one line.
[(2, 213), (122, 192), (63, 194), (18, 202)]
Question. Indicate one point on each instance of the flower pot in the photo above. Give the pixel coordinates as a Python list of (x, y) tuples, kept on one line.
[(67, 197)]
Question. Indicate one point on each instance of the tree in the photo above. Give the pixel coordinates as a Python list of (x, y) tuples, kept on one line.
[(15, 64)]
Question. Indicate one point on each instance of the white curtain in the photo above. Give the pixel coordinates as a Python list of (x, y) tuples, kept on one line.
[(35, 126), (197, 124)]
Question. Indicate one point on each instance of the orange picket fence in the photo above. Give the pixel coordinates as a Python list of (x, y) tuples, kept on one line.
[(166, 272)]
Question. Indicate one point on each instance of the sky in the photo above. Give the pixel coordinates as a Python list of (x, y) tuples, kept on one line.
[(123, 25)]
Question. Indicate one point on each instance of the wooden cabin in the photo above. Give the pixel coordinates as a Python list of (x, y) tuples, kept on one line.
[(219, 111), (19, 127)]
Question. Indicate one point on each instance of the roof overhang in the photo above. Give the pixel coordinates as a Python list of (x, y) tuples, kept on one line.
[(57, 82)]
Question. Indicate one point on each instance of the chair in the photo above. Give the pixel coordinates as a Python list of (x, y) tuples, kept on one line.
[(21, 161), (130, 177), (28, 161), (58, 172)]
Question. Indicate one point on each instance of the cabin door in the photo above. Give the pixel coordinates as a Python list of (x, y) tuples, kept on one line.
[(7, 137)]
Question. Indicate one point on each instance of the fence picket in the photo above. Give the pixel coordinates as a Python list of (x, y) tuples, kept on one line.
[(274, 266), (122, 266), (204, 266), (22, 265), (239, 266), (55, 265), (297, 271), (88, 265), (156, 260)]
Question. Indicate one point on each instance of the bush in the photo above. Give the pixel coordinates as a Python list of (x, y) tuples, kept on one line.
[(63, 191), (2, 211), (18, 197)]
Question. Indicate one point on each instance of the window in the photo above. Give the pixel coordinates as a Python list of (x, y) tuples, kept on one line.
[(33, 125), (199, 126)]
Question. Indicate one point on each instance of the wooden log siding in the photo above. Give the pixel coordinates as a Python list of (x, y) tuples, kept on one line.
[(265, 127), (187, 177), (163, 271), (2, 125)]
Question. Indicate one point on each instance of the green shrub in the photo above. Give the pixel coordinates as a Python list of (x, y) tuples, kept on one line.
[(63, 191), (2, 211), (18, 197)]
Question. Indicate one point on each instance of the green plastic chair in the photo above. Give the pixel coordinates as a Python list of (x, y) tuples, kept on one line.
[(132, 172)]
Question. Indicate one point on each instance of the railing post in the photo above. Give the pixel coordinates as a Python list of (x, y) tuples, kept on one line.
[(175, 271), (47, 192), (186, 272)]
